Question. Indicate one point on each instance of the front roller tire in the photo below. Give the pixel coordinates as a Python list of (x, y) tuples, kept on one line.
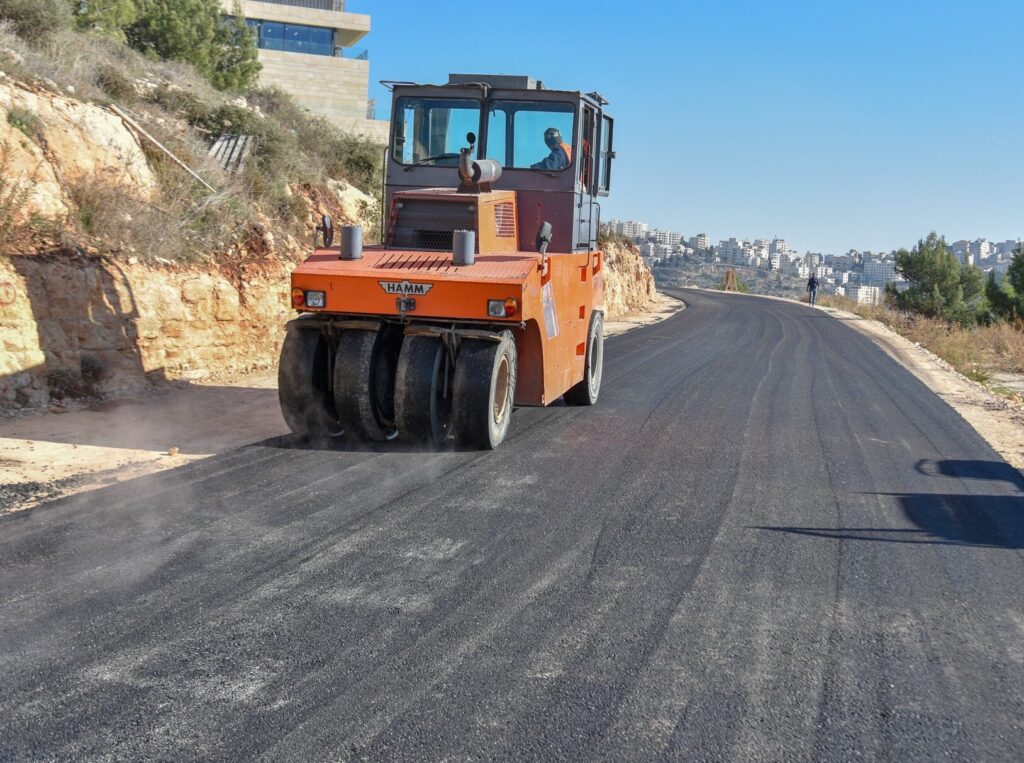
[(303, 383), (485, 390), (423, 391), (364, 379), (586, 392)]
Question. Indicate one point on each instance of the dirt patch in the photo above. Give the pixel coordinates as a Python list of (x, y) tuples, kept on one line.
[(83, 447), (660, 307)]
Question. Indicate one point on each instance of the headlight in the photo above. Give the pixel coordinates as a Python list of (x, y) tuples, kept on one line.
[(316, 299), (502, 308)]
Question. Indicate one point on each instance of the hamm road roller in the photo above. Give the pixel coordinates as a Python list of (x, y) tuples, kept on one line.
[(487, 290)]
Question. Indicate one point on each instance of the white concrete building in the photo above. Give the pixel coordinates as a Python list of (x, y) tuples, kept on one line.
[(733, 251), (665, 236), (630, 229), (700, 241), (865, 295), (879, 271), (981, 248)]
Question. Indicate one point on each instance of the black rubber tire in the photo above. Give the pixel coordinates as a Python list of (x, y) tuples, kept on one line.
[(303, 383), (364, 378), (423, 405), (485, 392), (587, 391)]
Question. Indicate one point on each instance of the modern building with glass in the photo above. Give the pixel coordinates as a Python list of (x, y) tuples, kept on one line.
[(308, 48)]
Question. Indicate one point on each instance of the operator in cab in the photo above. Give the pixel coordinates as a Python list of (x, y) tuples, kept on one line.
[(561, 152)]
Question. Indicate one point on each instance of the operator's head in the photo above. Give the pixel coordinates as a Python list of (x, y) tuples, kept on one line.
[(552, 137)]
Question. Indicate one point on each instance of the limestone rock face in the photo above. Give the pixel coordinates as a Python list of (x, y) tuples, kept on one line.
[(85, 326), (28, 176), (67, 142), (628, 282)]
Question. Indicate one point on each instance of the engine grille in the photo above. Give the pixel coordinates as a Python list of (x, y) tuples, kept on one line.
[(505, 219), (428, 224)]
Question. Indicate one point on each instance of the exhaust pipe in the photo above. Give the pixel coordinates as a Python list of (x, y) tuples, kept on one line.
[(351, 242), (463, 247)]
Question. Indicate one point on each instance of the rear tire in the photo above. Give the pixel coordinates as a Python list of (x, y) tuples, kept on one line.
[(423, 392), (364, 382), (485, 391), (303, 383), (586, 392)]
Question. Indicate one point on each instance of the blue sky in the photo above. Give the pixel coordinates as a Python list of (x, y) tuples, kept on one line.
[(836, 125)]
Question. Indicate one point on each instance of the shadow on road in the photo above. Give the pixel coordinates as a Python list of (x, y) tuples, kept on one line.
[(994, 471), (985, 521), (347, 445)]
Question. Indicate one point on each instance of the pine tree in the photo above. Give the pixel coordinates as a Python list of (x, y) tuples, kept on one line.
[(195, 31), (109, 17), (939, 285)]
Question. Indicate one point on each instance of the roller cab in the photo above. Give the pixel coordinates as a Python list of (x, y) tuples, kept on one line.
[(487, 292)]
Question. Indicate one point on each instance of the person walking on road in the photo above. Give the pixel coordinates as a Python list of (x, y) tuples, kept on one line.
[(812, 288)]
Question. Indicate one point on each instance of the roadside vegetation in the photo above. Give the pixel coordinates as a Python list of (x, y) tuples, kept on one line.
[(976, 326), (187, 75)]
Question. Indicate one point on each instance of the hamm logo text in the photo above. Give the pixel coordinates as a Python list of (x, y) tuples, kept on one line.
[(406, 288)]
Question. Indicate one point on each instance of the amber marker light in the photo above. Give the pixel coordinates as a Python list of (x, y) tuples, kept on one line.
[(298, 297)]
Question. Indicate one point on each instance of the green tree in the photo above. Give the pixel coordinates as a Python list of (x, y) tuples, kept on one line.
[(35, 19), (939, 285), (196, 31), (238, 66), (1007, 296), (109, 17), (1003, 298), (1015, 273)]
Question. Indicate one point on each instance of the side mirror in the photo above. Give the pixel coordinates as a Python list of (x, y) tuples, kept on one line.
[(471, 138), (326, 228)]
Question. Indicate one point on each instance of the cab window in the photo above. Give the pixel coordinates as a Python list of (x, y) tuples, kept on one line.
[(530, 135), (430, 131)]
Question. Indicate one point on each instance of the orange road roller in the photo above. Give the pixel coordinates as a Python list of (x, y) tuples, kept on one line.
[(487, 292)]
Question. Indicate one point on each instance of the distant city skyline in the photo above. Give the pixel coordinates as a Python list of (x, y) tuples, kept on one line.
[(714, 239)]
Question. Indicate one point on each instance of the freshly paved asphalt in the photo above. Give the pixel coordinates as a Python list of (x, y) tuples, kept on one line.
[(767, 541)]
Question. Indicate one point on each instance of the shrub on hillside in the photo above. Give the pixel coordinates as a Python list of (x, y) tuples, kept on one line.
[(195, 31), (35, 19)]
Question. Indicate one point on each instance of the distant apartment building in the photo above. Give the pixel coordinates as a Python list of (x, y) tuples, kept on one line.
[(306, 48), (981, 248), (838, 261), (629, 229), (733, 251), (668, 237), (865, 295), (879, 271), (1006, 247), (702, 241)]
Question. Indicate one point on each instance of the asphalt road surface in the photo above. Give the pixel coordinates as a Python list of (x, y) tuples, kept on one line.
[(767, 541)]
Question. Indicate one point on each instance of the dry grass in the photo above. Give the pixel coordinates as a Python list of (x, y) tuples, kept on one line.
[(184, 112), (977, 352), (91, 67)]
